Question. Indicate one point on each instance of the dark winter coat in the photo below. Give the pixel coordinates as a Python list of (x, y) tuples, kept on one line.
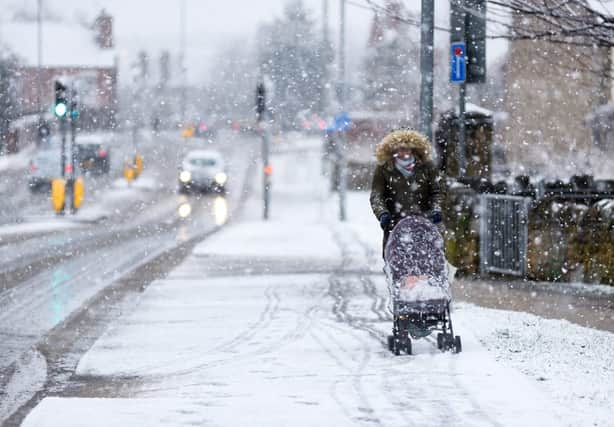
[(392, 192)]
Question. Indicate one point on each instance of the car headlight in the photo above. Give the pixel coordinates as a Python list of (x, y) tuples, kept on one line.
[(184, 210), (220, 178), (185, 176)]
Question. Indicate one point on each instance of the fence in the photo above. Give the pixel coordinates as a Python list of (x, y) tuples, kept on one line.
[(503, 234)]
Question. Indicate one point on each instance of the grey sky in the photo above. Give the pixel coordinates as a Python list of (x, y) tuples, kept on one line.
[(153, 25)]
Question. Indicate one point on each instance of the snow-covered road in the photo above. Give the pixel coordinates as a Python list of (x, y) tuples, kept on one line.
[(284, 323), (52, 268)]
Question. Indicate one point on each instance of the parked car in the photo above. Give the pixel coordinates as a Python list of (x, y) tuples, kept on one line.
[(44, 166), (202, 171), (93, 154)]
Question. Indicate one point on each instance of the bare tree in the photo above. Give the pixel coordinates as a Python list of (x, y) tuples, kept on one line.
[(558, 21), (8, 97), (563, 23)]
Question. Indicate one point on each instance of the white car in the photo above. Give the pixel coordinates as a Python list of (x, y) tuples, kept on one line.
[(202, 171), (44, 167)]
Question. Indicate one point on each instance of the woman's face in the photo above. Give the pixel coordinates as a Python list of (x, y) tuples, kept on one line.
[(402, 153)]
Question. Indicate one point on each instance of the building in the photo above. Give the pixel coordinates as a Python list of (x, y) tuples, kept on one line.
[(82, 56), (550, 90)]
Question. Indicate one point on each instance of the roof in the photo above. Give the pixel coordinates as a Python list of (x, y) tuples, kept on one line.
[(64, 45), (473, 108)]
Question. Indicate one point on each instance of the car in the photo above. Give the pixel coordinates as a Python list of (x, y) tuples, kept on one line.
[(202, 171), (93, 154), (44, 166)]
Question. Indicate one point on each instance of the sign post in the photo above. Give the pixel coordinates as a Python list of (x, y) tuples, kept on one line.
[(458, 74), (342, 124), (468, 54), (266, 142)]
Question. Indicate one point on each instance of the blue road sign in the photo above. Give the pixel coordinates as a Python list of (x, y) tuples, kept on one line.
[(458, 63), (342, 122)]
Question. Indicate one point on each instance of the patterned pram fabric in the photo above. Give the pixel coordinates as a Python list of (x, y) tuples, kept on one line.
[(416, 266)]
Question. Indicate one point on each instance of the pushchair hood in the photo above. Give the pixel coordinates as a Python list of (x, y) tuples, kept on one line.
[(415, 261)]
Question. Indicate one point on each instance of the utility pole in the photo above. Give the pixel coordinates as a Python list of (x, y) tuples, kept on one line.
[(261, 112), (63, 131), (182, 66), (462, 92), (73, 147), (324, 104), (426, 68), (325, 23), (341, 136), (39, 88), (468, 45)]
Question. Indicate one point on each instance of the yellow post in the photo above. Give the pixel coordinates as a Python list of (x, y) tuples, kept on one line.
[(187, 132), (128, 172), (78, 192), (138, 164), (58, 194)]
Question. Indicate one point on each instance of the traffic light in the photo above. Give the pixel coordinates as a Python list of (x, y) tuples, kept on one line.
[(74, 108), (61, 102), (260, 101)]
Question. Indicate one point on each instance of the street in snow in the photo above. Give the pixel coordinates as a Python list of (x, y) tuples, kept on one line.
[(197, 199), (285, 323)]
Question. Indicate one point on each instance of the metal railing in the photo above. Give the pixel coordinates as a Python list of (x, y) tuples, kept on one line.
[(503, 234)]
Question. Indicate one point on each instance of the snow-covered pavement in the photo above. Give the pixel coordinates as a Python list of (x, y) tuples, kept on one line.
[(284, 323)]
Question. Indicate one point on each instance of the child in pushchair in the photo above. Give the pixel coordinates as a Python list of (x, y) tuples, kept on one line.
[(417, 274)]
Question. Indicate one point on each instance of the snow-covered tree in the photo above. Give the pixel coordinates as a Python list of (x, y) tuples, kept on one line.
[(290, 55), (8, 97), (392, 64), (229, 95)]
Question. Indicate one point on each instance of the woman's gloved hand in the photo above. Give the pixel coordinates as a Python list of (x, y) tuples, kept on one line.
[(436, 217), (384, 220)]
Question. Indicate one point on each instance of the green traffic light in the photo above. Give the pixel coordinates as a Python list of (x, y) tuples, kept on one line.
[(60, 109)]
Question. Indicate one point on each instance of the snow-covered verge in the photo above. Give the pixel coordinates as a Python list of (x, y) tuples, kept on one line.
[(17, 161), (572, 364)]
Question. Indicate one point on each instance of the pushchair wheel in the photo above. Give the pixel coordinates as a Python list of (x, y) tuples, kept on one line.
[(408, 346), (457, 344), (446, 342), (396, 347), (440, 341)]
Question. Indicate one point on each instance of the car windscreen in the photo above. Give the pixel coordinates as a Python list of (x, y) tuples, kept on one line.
[(203, 162), (88, 148)]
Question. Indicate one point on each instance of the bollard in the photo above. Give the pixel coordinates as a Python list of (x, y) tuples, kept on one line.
[(129, 172), (138, 164), (58, 194), (78, 193)]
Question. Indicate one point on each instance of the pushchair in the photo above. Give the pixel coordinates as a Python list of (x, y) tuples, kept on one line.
[(417, 275)]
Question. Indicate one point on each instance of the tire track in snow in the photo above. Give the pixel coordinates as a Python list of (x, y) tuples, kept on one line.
[(354, 374), (454, 373), (379, 308), (271, 307), (339, 309), (303, 324)]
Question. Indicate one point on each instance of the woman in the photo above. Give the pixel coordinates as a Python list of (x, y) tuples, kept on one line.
[(405, 181)]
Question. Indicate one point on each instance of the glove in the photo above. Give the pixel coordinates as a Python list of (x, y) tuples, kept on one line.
[(384, 220), (436, 217)]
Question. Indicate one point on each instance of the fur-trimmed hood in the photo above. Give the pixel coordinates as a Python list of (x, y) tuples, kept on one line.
[(411, 139)]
